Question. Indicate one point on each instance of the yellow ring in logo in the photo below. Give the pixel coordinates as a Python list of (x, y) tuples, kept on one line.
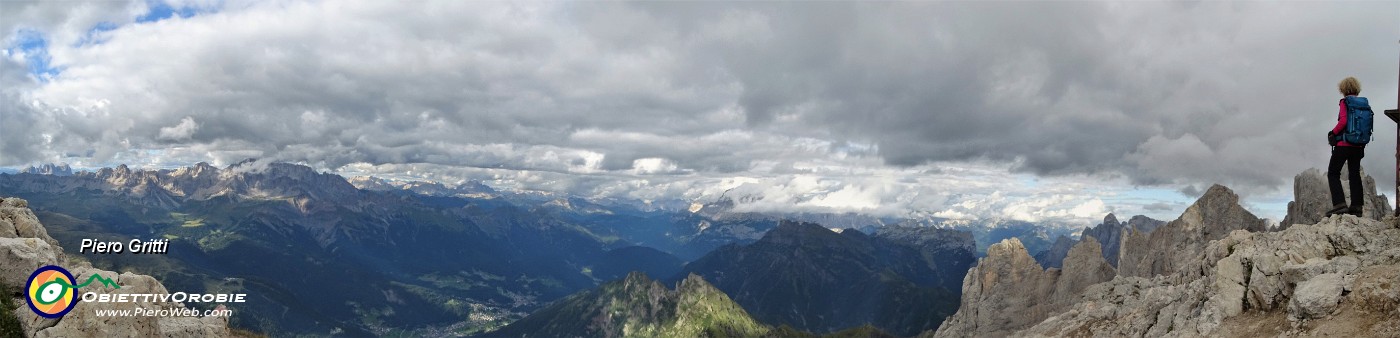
[(50, 293)]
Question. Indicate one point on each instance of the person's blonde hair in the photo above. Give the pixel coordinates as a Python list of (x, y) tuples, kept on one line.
[(1349, 86)]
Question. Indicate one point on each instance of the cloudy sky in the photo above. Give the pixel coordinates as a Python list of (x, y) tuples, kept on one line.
[(1029, 110)]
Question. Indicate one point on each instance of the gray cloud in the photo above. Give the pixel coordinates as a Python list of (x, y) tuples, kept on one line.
[(1159, 206), (597, 95)]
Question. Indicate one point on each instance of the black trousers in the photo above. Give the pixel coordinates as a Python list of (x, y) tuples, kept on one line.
[(1351, 156)]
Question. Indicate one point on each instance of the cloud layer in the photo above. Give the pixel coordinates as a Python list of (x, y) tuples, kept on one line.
[(870, 106)]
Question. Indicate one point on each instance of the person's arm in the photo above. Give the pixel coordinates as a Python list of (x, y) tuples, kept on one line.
[(1341, 119)]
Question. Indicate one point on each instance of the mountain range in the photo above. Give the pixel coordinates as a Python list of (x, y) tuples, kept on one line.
[(294, 239), (814, 279), (1109, 234), (321, 254)]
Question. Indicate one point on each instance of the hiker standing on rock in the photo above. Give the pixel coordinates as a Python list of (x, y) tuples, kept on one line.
[(1348, 138)]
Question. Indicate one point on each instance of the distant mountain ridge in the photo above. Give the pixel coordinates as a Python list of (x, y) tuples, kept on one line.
[(638, 306), (418, 260), (812, 278), (1109, 234), (430, 256), (61, 169)]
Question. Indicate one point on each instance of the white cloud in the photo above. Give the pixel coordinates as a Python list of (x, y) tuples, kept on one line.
[(654, 166), (179, 132)]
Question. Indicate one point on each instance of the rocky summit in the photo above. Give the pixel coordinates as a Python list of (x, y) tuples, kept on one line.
[(25, 246), (1110, 233), (1213, 272), (1162, 251), (1311, 198), (1008, 290)]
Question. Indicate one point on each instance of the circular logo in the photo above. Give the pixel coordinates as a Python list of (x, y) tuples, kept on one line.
[(50, 292)]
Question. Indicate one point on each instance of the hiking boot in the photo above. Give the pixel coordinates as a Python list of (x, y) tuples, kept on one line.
[(1354, 211), (1337, 209)]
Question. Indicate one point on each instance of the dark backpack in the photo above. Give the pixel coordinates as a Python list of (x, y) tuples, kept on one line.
[(1359, 119)]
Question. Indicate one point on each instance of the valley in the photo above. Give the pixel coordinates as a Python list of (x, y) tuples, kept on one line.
[(321, 254)]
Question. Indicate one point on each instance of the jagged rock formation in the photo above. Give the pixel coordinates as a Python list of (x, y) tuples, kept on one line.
[(1161, 252), (1054, 257), (1337, 278), (1212, 272), (1007, 291), (638, 306), (1111, 232), (1311, 198), (25, 245), (50, 169)]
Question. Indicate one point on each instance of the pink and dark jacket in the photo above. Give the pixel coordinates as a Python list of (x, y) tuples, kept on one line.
[(1342, 124)]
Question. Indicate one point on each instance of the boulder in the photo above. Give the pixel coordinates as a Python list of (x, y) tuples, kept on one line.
[(17, 221), (1316, 297), (21, 256)]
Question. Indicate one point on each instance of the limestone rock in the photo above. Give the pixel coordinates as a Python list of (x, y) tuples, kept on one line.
[(1009, 291), (1163, 251), (1338, 276), (21, 256), (1084, 266), (25, 246), (17, 221), (1054, 257), (1312, 198), (1211, 272), (1110, 233), (1316, 297)]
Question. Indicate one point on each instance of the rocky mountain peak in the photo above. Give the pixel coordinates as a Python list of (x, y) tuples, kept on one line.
[(1162, 251), (61, 169), (789, 233), (694, 284), (1008, 291), (1007, 249), (1143, 223), (1218, 212), (1110, 219), (1110, 233), (1054, 256)]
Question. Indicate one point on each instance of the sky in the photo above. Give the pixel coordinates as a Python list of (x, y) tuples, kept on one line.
[(1020, 110)]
